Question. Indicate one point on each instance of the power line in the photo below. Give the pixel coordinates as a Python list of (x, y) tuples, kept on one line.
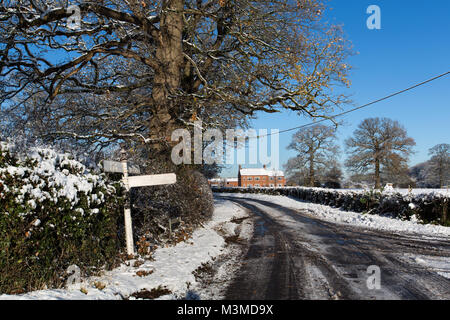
[(360, 107)]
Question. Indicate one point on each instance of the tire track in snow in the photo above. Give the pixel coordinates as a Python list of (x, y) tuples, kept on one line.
[(323, 260)]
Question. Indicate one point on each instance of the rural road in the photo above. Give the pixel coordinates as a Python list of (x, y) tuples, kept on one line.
[(295, 256)]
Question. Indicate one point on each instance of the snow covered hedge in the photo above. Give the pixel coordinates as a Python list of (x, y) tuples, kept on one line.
[(53, 213), (190, 199), (428, 207)]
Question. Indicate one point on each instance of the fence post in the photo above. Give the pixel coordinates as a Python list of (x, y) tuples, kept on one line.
[(127, 205)]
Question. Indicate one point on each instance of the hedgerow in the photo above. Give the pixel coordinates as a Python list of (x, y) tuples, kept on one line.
[(54, 213), (427, 207), (190, 200)]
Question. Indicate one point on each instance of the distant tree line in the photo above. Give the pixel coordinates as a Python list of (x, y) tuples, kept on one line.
[(377, 153), (434, 173)]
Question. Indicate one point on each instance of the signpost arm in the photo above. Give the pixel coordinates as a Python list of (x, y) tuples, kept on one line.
[(127, 206)]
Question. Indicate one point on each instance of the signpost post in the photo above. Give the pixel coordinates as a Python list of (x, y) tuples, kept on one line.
[(173, 222), (134, 182)]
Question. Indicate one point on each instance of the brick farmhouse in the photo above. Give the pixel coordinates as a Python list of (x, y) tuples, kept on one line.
[(260, 177), (252, 178), (223, 182)]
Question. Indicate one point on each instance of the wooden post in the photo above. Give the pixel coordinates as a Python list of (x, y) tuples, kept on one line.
[(172, 222), (134, 182), (127, 206)]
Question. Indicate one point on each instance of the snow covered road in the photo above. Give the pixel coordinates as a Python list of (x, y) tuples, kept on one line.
[(274, 247), (296, 255)]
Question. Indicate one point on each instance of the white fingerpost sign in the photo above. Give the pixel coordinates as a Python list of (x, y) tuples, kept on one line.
[(116, 167), (152, 180), (134, 182)]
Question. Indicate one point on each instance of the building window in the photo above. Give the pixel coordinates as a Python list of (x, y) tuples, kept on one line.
[(256, 178), (280, 178), (271, 178), (249, 178), (271, 185), (280, 185), (257, 185)]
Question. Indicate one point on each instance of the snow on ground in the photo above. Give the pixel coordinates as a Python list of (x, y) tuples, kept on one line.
[(445, 192), (402, 191), (171, 267), (215, 284), (347, 217), (440, 265)]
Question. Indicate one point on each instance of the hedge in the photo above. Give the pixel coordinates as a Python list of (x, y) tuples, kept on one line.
[(428, 207), (53, 213)]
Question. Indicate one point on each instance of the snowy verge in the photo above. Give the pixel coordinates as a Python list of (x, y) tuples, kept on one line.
[(347, 217), (428, 207), (440, 265), (171, 268), (213, 284)]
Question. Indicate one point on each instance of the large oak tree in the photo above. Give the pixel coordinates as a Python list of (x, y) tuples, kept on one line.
[(379, 145), (439, 164), (316, 152), (136, 70)]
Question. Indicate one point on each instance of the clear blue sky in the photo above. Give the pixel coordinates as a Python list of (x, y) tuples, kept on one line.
[(412, 45)]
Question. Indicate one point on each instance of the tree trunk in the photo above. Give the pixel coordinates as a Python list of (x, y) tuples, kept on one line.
[(167, 79), (444, 213), (311, 171), (377, 174)]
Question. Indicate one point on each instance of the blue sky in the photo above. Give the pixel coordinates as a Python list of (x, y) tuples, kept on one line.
[(413, 45)]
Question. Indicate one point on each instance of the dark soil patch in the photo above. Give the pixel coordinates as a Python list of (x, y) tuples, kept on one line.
[(144, 273), (238, 220), (152, 294), (234, 239), (203, 271)]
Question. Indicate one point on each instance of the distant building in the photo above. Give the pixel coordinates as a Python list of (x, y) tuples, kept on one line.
[(215, 182), (260, 177), (252, 178), (223, 182), (231, 182)]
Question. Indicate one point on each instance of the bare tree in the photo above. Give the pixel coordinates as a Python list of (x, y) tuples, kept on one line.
[(332, 176), (398, 175), (316, 149), (439, 164), (380, 144), (135, 70), (296, 174), (418, 175)]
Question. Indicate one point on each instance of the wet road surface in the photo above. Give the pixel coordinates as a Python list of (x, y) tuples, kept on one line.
[(295, 256)]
